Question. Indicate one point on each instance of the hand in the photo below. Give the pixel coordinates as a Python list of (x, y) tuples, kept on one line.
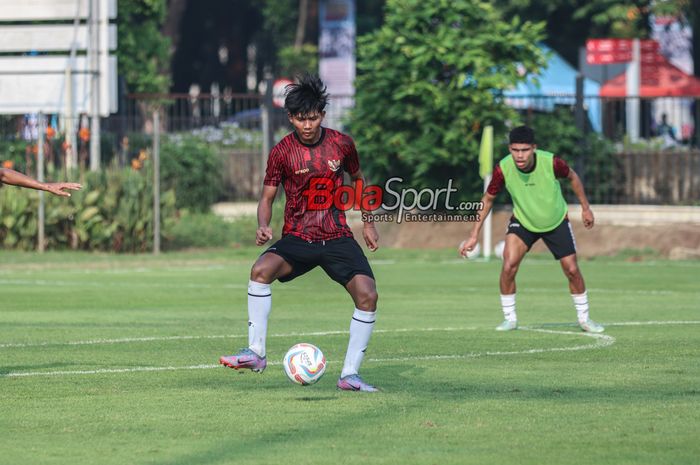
[(263, 234), (57, 188), (468, 245), (587, 217), (371, 236)]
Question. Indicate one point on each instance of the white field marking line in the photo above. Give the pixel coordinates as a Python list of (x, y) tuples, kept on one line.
[(531, 290), (47, 282), (217, 336), (651, 323), (601, 341)]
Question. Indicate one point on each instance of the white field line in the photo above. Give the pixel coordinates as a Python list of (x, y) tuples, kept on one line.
[(652, 323), (531, 290), (56, 283), (600, 342), (216, 336)]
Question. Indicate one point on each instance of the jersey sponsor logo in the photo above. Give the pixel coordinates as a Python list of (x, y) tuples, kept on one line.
[(334, 165), (302, 171)]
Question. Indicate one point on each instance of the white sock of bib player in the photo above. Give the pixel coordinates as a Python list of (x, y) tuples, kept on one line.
[(259, 305), (508, 306), (581, 304), (361, 327)]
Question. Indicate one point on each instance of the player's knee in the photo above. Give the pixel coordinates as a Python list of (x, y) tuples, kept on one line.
[(367, 299), (510, 268), (261, 274), (572, 271)]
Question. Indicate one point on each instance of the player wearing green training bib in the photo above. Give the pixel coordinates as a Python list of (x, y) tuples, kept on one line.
[(539, 212)]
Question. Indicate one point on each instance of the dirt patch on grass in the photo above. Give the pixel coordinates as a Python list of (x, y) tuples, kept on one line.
[(602, 240)]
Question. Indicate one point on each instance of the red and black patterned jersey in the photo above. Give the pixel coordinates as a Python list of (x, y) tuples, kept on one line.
[(296, 166), (561, 170)]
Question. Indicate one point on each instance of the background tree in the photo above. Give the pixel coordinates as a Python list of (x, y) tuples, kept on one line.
[(570, 22), (143, 52), (289, 36), (428, 81)]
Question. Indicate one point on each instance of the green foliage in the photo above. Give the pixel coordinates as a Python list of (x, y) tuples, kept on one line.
[(204, 230), (293, 61), (556, 132), (192, 168), (113, 212), (143, 52), (427, 83), (14, 151), (570, 22), (279, 21)]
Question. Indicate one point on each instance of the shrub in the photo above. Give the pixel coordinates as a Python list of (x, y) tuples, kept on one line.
[(192, 168), (113, 211)]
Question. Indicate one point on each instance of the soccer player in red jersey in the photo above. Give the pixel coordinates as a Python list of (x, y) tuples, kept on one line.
[(539, 212), (14, 178), (311, 237)]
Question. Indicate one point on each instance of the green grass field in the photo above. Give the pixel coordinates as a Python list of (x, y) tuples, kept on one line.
[(113, 360)]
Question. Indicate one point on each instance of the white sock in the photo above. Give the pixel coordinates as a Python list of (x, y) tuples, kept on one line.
[(259, 305), (581, 304), (361, 327), (508, 306)]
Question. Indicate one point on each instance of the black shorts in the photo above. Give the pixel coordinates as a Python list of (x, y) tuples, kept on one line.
[(341, 258), (560, 240)]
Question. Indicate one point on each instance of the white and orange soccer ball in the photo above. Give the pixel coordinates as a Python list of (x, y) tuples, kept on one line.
[(304, 364)]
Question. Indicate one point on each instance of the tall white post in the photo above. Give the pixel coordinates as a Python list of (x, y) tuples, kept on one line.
[(94, 54), (633, 78), (487, 225), (156, 182), (40, 177)]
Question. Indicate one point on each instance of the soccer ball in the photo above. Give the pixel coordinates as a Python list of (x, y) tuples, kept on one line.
[(304, 364)]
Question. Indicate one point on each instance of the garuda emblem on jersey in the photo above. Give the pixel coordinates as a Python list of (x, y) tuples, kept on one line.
[(334, 165)]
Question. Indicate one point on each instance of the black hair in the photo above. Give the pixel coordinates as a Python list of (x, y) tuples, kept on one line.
[(522, 135), (307, 95)]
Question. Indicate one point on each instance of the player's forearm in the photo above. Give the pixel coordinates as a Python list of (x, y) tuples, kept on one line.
[(579, 191), (360, 177), (264, 212), (487, 201), (12, 177)]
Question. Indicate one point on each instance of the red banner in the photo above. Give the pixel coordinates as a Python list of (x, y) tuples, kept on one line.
[(607, 51)]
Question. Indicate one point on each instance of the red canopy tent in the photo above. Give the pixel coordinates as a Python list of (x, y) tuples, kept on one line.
[(658, 79)]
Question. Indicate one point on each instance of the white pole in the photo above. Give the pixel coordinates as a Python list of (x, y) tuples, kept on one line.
[(95, 86), (156, 182), (71, 153), (633, 78), (487, 225), (71, 149), (40, 178)]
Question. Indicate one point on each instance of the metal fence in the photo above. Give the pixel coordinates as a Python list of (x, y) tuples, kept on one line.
[(657, 169), (609, 116)]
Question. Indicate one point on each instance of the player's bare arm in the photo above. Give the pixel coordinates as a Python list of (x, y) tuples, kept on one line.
[(264, 232), (469, 244), (15, 178), (586, 212), (369, 231)]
